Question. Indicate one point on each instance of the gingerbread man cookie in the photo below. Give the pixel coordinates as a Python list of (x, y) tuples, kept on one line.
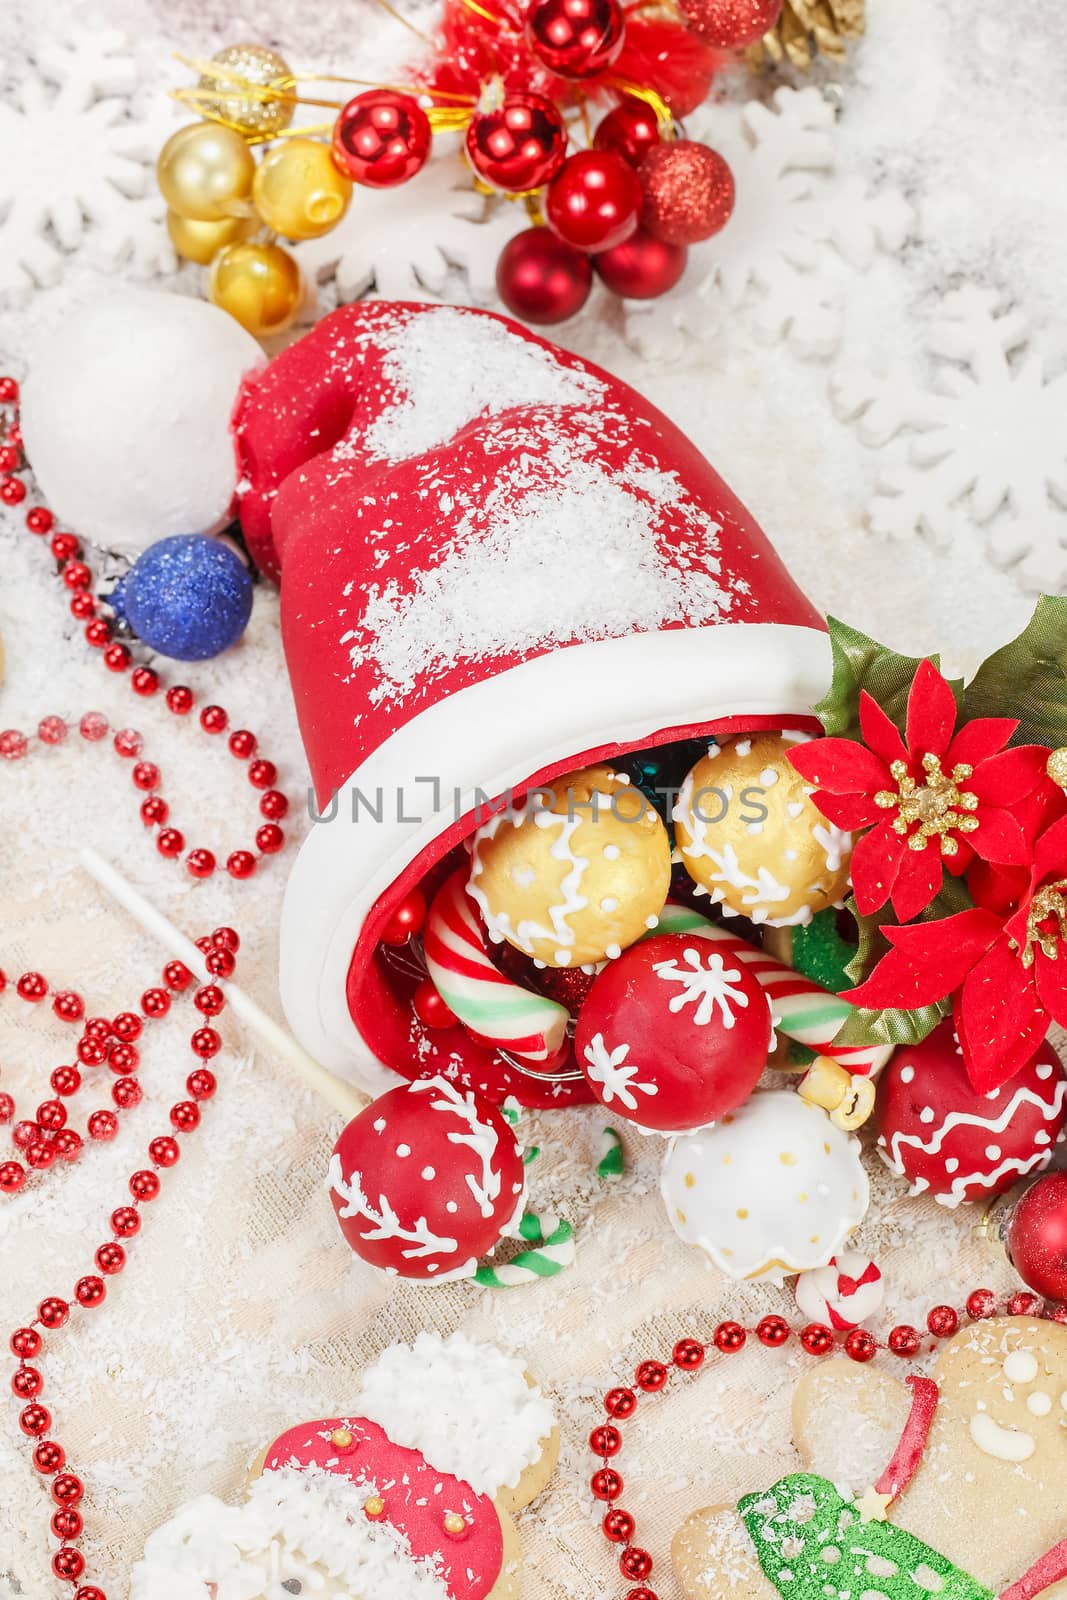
[(970, 1507), (409, 1498)]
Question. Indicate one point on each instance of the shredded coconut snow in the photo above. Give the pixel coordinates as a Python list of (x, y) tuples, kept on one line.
[(452, 368)]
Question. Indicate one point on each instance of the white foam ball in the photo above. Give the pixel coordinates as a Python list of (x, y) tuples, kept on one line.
[(126, 417)]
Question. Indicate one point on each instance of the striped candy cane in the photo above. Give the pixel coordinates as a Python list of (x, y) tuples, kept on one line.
[(553, 1242), (485, 1000), (802, 1010)]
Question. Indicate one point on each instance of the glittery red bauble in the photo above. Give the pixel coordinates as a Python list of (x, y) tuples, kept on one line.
[(904, 1340), (981, 1303), (630, 131), (595, 200), (641, 268), (518, 146), (1036, 1236), (689, 192), (730, 24), (942, 1322), (381, 138), (576, 38), (542, 280)]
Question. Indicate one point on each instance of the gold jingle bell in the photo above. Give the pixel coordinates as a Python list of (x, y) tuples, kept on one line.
[(259, 285), (576, 873), (202, 241), (205, 172), (227, 90), (748, 831), (299, 191)]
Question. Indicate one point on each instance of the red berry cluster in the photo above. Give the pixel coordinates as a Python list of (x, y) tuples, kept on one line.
[(773, 1332), (146, 683), (104, 1040)]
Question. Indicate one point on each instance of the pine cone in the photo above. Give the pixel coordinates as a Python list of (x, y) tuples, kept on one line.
[(809, 27)]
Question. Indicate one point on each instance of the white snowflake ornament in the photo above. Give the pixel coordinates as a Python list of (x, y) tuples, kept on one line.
[(799, 234), (81, 143), (974, 431)]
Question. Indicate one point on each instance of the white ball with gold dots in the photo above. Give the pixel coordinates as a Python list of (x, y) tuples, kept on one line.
[(750, 834), (772, 1189), (576, 873)]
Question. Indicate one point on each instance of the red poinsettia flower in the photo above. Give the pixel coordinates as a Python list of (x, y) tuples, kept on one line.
[(1005, 963), (934, 800)]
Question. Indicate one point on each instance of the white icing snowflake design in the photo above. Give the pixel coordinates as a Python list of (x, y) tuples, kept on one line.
[(385, 1224), (706, 984), (974, 431), (799, 235), (82, 138), (617, 1078)]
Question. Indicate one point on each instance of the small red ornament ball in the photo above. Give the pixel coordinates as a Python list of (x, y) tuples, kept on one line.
[(430, 1007), (630, 131), (730, 24), (576, 38), (426, 1180), (642, 268), (541, 279), (689, 192), (651, 1376), (620, 1403), (1036, 1237), (595, 200), (618, 1525), (904, 1340), (981, 1303), (817, 1339), (942, 1322), (407, 919), (688, 1354), (518, 146), (382, 138), (860, 1345)]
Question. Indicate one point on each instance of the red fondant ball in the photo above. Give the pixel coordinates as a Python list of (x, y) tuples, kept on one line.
[(595, 201), (630, 131), (1036, 1237), (673, 1036), (730, 24), (689, 192), (642, 267), (576, 38), (520, 145), (948, 1140), (425, 1180), (382, 138), (541, 279)]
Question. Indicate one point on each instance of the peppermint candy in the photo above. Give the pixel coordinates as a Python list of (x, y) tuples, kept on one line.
[(847, 1291)]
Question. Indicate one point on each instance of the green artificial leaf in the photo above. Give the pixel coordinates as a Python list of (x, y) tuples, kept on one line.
[(1028, 678), (895, 1025), (862, 663)]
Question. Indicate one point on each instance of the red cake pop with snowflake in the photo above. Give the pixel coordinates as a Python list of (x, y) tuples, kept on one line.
[(426, 1180), (948, 1140), (673, 1035)]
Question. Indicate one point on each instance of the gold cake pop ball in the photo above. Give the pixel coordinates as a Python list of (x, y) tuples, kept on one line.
[(202, 241), (749, 832), (224, 95), (259, 285), (205, 172), (299, 191), (577, 873)]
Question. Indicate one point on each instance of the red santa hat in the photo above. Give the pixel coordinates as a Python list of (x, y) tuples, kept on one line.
[(498, 564)]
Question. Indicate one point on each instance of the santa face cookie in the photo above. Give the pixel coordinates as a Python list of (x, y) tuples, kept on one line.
[(970, 1505), (379, 1505)]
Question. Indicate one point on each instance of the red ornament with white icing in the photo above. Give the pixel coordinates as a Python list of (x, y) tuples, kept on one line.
[(445, 1524), (672, 1035), (426, 1180), (848, 1291), (950, 1141)]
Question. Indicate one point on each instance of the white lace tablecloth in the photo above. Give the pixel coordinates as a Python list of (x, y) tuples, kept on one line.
[(802, 354)]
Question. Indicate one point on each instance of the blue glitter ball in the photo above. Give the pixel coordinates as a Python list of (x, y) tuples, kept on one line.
[(189, 597)]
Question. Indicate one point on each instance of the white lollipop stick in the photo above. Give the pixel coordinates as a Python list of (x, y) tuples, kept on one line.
[(344, 1097)]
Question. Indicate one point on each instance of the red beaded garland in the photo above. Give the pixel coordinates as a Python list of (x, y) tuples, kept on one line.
[(942, 1322), (981, 1303), (728, 1337), (688, 1354), (144, 1185), (635, 1563), (25, 1343), (605, 1440), (164, 1151), (651, 1376), (125, 1221), (89, 1291), (67, 1489), (772, 1331), (620, 1403), (26, 1383), (816, 1338), (618, 1525), (66, 1523), (606, 1483), (859, 1344), (52, 1313), (110, 1258), (68, 1563), (35, 1420), (48, 1457)]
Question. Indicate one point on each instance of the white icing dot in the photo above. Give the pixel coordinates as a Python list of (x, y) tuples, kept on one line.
[(450, 1205), (907, 1074), (1044, 1070), (830, 1554), (611, 852), (562, 958), (429, 1173), (403, 1150), (992, 1152), (379, 1124), (613, 952), (651, 922), (952, 1165), (1039, 1403), (768, 777), (1042, 1136), (926, 1114), (609, 903), (1020, 1366)]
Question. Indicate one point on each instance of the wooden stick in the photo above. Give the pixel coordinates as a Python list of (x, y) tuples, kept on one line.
[(342, 1096)]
